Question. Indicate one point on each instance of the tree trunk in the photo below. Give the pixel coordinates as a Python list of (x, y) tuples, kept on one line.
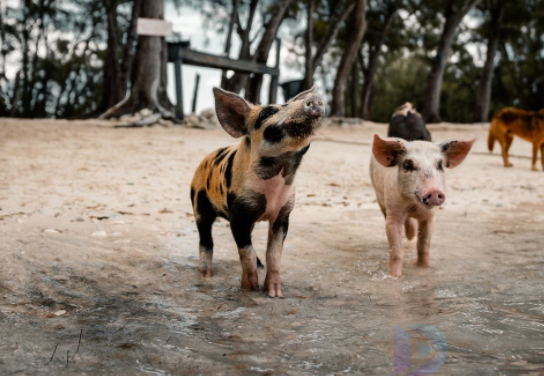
[(163, 99), (367, 89), (370, 71), (353, 91), (148, 86), (436, 75), (111, 94), (16, 95), (331, 36), (127, 65), (348, 58), (481, 108), (3, 49), (26, 74), (434, 83), (238, 81), (117, 74), (308, 39), (233, 16), (324, 46), (261, 54)]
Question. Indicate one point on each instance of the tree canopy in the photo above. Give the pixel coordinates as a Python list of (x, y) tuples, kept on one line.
[(456, 60)]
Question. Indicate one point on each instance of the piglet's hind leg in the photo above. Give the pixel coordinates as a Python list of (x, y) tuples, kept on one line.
[(411, 228), (205, 216), (241, 226)]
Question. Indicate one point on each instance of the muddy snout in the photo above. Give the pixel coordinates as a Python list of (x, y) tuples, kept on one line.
[(313, 106), (433, 196)]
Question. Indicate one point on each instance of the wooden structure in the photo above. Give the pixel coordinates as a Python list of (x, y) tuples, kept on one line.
[(180, 53), (153, 27)]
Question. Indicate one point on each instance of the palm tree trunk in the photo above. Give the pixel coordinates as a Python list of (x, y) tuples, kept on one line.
[(238, 81), (148, 86), (348, 58), (374, 54), (263, 49), (436, 75), (308, 71), (481, 107)]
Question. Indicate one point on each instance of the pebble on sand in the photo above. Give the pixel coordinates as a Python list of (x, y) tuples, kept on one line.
[(51, 231), (100, 234)]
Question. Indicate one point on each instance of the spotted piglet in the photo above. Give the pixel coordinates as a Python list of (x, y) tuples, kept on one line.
[(254, 180), (408, 178)]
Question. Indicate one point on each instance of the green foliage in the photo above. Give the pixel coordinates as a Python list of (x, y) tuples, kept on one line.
[(401, 80), (57, 68), (59, 48)]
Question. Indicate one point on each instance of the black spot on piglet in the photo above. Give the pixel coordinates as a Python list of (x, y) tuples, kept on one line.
[(265, 114), (274, 133), (228, 170)]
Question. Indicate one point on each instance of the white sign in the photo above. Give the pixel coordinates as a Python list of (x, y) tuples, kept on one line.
[(153, 27)]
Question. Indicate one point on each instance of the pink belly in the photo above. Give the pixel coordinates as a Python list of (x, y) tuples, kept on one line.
[(277, 194)]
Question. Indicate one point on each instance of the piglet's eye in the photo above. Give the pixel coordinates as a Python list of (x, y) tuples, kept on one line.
[(440, 166), (408, 165)]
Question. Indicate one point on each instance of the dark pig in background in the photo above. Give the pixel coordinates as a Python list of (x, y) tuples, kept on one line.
[(407, 123)]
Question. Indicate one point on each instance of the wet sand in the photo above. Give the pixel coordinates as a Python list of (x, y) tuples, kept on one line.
[(99, 253)]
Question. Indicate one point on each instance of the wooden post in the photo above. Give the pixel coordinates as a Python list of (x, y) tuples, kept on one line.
[(273, 90), (195, 93), (179, 91)]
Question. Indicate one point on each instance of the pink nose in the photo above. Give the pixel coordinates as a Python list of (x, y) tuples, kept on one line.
[(433, 197)]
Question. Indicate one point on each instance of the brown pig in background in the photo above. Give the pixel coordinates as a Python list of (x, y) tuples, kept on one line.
[(408, 178)]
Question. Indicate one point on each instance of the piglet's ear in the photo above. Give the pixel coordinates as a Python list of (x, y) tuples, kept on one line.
[(456, 151), (232, 111), (386, 151), (302, 94)]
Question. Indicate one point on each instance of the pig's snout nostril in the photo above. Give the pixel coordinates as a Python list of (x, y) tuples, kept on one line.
[(433, 198), (313, 106)]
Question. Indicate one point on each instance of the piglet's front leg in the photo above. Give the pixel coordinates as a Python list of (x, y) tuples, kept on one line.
[(393, 229), (276, 236), (272, 282), (424, 243), (248, 259)]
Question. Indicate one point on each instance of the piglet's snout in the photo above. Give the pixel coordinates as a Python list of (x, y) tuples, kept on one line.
[(433, 196), (314, 106)]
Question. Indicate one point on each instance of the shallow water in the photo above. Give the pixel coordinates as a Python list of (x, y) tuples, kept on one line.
[(132, 302)]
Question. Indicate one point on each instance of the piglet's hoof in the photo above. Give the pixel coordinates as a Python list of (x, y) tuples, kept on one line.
[(423, 260), (206, 272), (272, 285), (250, 282), (422, 264), (395, 273)]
